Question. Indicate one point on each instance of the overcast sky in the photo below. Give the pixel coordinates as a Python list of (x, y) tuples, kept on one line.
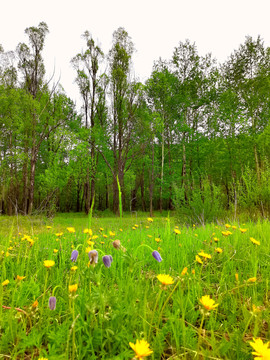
[(155, 26)]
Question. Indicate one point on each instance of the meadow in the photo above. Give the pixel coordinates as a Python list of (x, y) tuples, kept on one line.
[(78, 287)]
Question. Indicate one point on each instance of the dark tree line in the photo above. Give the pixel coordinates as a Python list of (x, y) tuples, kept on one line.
[(194, 137)]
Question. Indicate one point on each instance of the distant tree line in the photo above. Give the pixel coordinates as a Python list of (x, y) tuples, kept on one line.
[(194, 137)]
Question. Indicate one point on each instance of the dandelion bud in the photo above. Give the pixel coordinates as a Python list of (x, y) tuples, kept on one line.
[(93, 256), (74, 255), (52, 302), (107, 260), (116, 244), (156, 255)]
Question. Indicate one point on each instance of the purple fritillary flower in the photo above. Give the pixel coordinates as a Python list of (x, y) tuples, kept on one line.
[(93, 256), (107, 260), (74, 255), (156, 255), (52, 302)]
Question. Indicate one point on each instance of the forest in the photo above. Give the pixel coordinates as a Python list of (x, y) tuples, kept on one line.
[(194, 138)]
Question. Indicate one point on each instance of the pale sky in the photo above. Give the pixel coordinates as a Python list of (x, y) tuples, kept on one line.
[(155, 26)]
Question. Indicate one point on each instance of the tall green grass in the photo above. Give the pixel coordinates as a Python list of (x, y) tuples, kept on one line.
[(117, 305)]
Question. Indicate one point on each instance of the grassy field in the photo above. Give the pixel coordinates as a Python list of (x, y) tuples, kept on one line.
[(113, 304)]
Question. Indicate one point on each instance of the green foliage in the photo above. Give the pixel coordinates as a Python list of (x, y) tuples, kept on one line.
[(200, 205)]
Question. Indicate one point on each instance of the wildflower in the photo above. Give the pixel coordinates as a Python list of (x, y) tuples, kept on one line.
[(105, 236), (74, 268), (150, 236), (88, 231), (227, 226), (205, 255), (165, 279), (196, 235), (253, 279), (255, 242), (101, 229), (52, 302), (234, 227), (121, 230), (73, 288), (236, 277), (198, 259), (107, 260), (6, 282), (226, 233), (133, 228), (116, 244), (71, 229), (208, 303), (177, 231), (150, 220), (19, 278), (93, 256), (157, 240), (94, 237), (193, 271), (216, 239), (219, 250), (262, 351), (42, 358), (111, 233), (141, 348), (156, 255), (89, 248), (74, 255), (256, 309), (48, 263), (48, 227), (35, 304), (59, 234), (184, 271), (55, 251), (243, 230), (136, 226)]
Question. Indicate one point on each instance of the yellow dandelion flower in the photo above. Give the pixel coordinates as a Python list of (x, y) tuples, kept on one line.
[(71, 229), (255, 242), (48, 263), (74, 268), (193, 271), (48, 227), (101, 229), (216, 239), (208, 303), (111, 233), (88, 231), (243, 230), (136, 225), (256, 309), (59, 234), (227, 226), (19, 278), (146, 226), (141, 349), (55, 251), (90, 243), (184, 271), (196, 235), (105, 236), (7, 254), (262, 351), (73, 288), (253, 279), (42, 358), (157, 240), (177, 231), (198, 259), (94, 237), (133, 228), (6, 282), (102, 242), (35, 304), (234, 227), (236, 277), (204, 255), (150, 220), (149, 236), (121, 230), (219, 250), (165, 279), (89, 248)]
